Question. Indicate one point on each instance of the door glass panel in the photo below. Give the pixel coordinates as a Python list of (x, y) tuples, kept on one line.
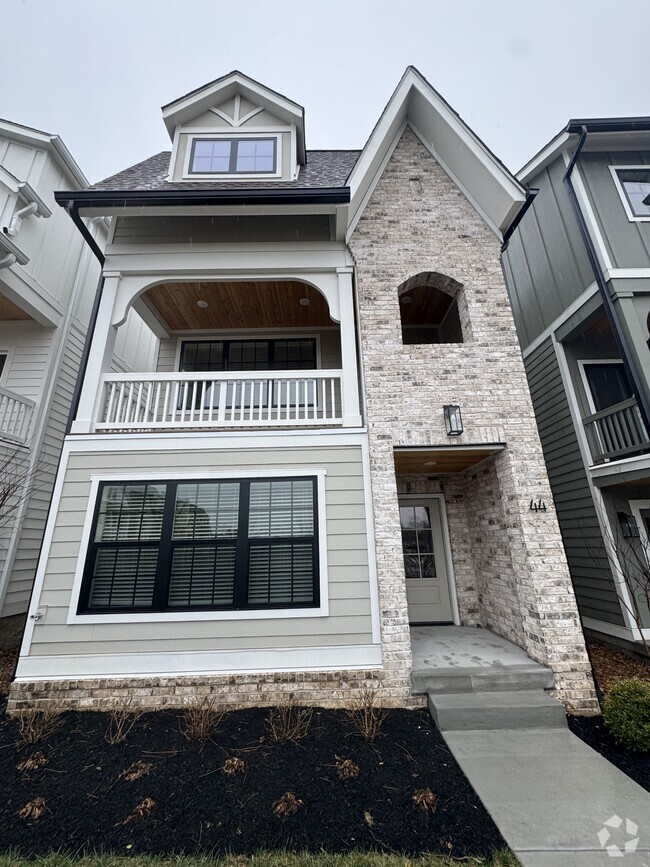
[(608, 384), (417, 542)]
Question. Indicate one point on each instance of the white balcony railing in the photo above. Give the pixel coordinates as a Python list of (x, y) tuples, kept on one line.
[(15, 415), (157, 401)]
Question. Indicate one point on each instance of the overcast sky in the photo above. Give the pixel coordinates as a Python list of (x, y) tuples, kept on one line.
[(97, 71)]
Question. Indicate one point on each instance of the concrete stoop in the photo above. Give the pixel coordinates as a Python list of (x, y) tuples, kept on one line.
[(476, 711)]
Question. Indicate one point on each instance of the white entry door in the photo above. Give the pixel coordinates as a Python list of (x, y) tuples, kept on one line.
[(427, 577)]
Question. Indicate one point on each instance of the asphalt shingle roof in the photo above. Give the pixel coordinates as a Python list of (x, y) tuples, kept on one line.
[(324, 169)]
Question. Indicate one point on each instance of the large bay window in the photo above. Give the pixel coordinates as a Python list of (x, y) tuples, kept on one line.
[(233, 544)]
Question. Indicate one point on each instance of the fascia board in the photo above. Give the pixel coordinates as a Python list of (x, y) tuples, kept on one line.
[(545, 157), (397, 112), (179, 112), (52, 143)]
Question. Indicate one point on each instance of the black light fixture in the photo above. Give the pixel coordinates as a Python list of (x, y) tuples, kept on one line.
[(453, 420), (628, 525)]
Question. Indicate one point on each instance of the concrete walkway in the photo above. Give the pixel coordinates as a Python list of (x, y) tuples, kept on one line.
[(550, 795)]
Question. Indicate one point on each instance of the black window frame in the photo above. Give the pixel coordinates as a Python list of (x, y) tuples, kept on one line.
[(242, 542), (234, 149), (227, 343)]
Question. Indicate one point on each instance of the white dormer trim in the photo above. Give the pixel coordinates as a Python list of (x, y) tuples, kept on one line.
[(237, 119), (260, 132), (486, 182)]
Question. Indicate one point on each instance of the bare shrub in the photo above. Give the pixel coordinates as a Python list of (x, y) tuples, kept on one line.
[(287, 805), (233, 766), (289, 722), (120, 722), (367, 715), (425, 800), (135, 771), (33, 762), (37, 725), (346, 769), (201, 720), (33, 810), (142, 811)]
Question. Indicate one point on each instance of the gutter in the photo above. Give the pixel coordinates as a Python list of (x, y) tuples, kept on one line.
[(635, 376), (531, 193), (247, 196)]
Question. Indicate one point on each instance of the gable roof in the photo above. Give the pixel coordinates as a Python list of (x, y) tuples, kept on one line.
[(322, 170), (613, 133), (483, 178), (198, 101)]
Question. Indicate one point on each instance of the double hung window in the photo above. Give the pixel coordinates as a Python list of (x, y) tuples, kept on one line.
[(202, 545)]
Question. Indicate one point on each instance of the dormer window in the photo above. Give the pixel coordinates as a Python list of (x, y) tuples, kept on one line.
[(233, 156)]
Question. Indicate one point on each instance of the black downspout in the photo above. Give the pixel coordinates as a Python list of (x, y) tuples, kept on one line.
[(608, 303), (531, 193), (73, 210)]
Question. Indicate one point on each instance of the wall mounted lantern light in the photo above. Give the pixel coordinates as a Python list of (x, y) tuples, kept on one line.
[(453, 420), (628, 525)]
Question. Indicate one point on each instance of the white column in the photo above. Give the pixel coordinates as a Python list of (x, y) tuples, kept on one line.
[(99, 359), (349, 361)]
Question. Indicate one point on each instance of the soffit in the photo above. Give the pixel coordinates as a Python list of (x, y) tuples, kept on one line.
[(10, 312), (263, 304), (440, 459)]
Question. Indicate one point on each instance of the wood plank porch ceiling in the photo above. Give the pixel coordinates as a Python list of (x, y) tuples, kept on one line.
[(431, 461), (260, 304), (10, 312)]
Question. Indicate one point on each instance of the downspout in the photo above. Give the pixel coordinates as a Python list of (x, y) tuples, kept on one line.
[(18, 217), (8, 260), (629, 363), (73, 211)]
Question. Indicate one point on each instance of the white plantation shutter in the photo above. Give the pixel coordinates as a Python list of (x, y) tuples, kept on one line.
[(206, 510), (202, 577), (281, 508), (281, 574)]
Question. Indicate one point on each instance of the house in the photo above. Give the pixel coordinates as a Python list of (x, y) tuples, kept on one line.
[(336, 442), (578, 273), (47, 283)]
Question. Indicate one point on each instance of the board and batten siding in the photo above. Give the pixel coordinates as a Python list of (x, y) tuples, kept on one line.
[(349, 620), (592, 578), (545, 265), (627, 241)]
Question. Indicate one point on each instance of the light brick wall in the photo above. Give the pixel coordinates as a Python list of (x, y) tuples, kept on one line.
[(511, 569)]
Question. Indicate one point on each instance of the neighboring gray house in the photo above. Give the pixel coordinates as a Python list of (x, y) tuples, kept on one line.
[(336, 442), (47, 283), (577, 268)]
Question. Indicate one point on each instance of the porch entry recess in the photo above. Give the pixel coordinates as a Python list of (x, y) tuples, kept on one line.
[(425, 562)]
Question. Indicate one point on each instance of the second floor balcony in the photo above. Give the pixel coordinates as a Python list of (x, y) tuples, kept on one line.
[(263, 354), (616, 432)]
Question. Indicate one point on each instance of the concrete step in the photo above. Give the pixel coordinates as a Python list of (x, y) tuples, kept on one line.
[(477, 711), (490, 679)]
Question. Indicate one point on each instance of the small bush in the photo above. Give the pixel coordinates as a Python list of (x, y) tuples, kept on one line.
[(367, 715), (425, 800), (33, 762), (627, 713), (233, 766), (33, 810), (201, 720), (37, 725), (120, 723), (287, 805), (136, 771), (142, 811), (289, 722), (346, 769)]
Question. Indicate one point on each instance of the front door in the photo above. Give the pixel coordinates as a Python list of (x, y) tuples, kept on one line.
[(425, 564)]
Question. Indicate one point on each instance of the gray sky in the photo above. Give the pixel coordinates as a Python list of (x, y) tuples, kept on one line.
[(97, 71)]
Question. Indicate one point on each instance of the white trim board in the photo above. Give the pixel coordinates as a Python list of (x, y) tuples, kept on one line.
[(573, 308), (198, 663), (632, 634), (193, 616), (590, 217), (631, 216)]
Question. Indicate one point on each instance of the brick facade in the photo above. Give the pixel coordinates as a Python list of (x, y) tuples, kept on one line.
[(511, 570)]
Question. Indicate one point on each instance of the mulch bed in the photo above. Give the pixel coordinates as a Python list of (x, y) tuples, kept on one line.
[(185, 802), (610, 664)]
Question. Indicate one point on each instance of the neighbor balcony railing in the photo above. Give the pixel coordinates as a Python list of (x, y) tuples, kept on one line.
[(157, 401), (15, 415), (616, 432)]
